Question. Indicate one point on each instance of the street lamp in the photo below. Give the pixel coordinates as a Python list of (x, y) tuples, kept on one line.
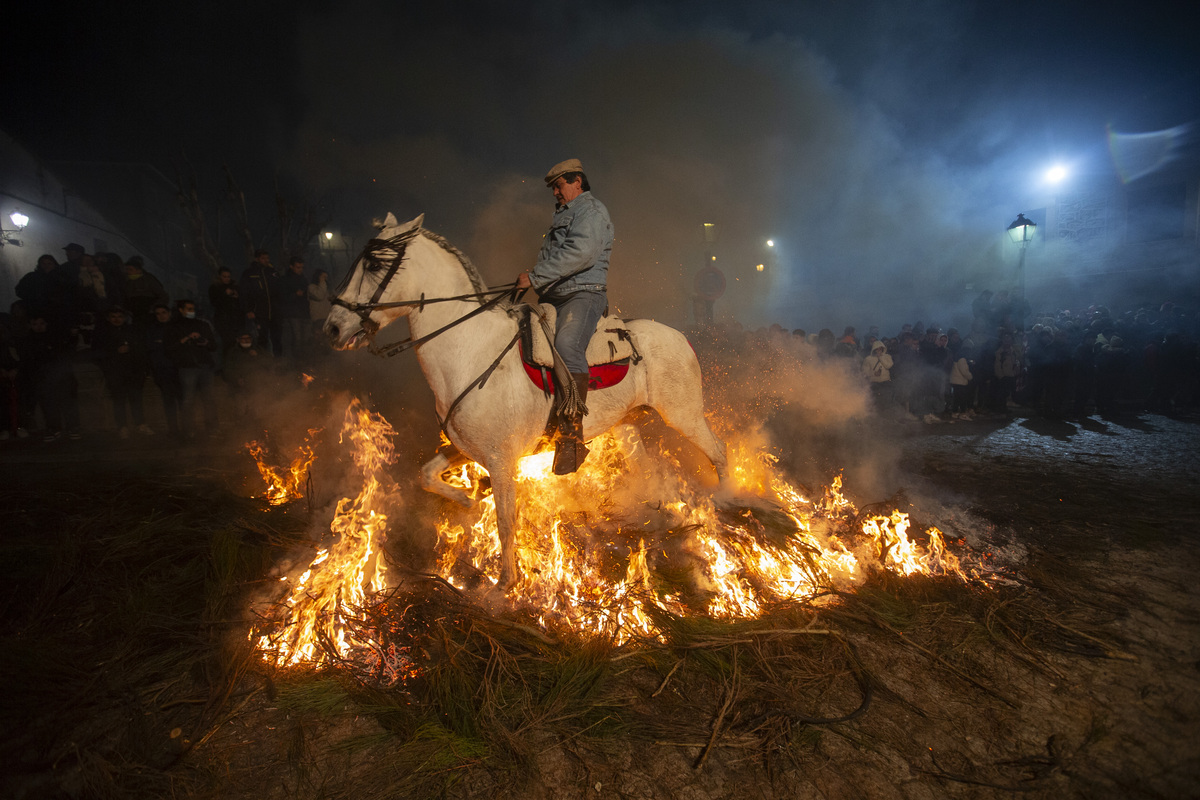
[(1021, 232), (7, 236)]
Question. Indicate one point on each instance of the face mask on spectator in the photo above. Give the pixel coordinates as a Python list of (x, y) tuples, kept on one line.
[(190, 314)]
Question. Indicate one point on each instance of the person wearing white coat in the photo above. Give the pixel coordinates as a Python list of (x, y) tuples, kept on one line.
[(960, 380), (877, 369)]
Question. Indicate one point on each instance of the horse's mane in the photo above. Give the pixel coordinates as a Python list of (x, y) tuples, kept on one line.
[(472, 272)]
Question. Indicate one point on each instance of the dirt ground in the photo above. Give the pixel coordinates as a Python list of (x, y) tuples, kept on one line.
[(1079, 677)]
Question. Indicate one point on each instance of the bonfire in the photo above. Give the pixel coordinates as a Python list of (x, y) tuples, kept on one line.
[(612, 551)]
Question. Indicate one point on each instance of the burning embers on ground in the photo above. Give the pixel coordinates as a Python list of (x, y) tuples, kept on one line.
[(612, 551)]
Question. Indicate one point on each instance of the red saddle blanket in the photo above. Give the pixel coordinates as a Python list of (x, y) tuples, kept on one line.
[(600, 376)]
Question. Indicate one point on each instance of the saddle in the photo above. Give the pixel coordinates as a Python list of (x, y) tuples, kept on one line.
[(609, 353)]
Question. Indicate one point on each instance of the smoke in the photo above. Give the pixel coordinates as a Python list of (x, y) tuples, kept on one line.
[(677, 125)]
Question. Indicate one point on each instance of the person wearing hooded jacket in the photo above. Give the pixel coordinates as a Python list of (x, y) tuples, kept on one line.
[(877, 368), (960, 392)]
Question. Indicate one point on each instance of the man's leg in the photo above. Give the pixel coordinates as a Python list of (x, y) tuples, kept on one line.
[(577, 320)]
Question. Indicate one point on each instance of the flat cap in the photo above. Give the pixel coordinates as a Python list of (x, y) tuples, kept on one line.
[(562, 168)]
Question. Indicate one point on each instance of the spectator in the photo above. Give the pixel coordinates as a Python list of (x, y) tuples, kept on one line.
[(960, 382), (1083, 373), (48, 380), (1006, 368), (228, 317), (877, 368), (247, 372), (162, 368), (935, 363), (74, 263), (318, 301), (825, 343), (292, 308), (113, 267), (10, 395), (847, 346), (142, 291), (190, 344), (1112, 365), (120, 352), (94, 296), (258, 297), (49, 292), (906, 372), (1056, 375)]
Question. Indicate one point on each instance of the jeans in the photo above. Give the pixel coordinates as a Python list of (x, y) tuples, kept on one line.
[(197, 382), (126, 391), (578, 315)]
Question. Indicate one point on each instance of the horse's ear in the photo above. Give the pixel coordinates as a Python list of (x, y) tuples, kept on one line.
[(413, 224), (390, 221)]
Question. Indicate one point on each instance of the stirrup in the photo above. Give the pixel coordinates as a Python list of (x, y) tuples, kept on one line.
[(569, 454)]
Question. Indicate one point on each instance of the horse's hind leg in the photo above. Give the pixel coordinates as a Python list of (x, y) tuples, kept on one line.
[(504, 489), (448, 457)]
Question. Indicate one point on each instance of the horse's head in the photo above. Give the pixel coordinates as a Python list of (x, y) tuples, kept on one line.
[(373, 282)]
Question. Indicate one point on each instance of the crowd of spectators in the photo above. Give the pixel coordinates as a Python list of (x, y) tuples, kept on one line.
[(110, 312), (1059, 364)]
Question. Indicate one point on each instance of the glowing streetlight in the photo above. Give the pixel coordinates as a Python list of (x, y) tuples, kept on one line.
[(1021, 232), (19, 219), (770, 242), (760, 267), (1056, 174), (329, 236)]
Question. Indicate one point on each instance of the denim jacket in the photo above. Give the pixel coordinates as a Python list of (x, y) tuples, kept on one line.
[(576, 249)]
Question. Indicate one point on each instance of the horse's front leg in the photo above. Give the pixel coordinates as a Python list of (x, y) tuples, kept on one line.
[(448, 457), (504, 489)]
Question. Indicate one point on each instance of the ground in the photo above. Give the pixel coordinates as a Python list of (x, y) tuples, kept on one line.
[(127, 567)]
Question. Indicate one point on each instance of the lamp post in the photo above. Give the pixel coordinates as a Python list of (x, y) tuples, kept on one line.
[(1021, 232)]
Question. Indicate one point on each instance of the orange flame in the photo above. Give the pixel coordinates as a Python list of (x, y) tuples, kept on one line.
[(314, 620), (570, 530), (284, 485), (600, 552)]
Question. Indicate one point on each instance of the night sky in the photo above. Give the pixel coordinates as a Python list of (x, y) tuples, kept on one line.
[(870, 139)]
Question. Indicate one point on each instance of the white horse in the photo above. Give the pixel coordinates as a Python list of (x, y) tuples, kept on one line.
[(406, 272)]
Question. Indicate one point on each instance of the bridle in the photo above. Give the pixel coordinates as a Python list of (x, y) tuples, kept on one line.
[(398, 244)]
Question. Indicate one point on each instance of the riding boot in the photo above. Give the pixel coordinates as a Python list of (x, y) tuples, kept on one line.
[(570, 451)]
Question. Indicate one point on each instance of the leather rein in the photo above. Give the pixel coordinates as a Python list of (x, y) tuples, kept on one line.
[(399, 244)]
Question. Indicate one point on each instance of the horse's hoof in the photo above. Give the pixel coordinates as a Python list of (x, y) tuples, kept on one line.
[(506, 583)]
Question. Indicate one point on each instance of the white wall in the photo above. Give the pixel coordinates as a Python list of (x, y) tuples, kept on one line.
[(56, 218)]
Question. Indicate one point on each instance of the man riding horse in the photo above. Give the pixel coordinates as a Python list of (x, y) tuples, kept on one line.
[(572, 275)]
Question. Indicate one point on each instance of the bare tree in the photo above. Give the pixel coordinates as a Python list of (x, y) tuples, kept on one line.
[(206, 249), (297, 227)]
